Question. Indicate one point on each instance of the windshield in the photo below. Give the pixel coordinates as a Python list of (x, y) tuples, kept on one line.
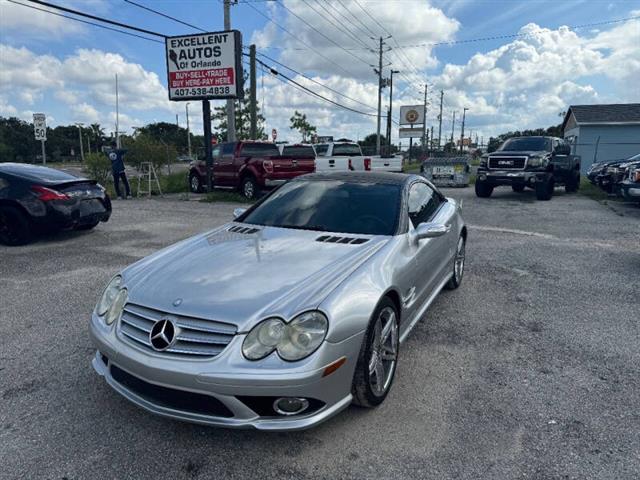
[(346, 150), (524, 144), (299, 151), (331, 206)]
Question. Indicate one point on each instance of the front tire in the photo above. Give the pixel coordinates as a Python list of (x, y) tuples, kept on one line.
[(14, 227), (483, 190), (458, 265), (378, 357), (544, 189)]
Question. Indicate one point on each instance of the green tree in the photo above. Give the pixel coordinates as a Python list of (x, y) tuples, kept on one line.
[(145, 148), (98, 167), (243, 120), (299, 122), (370, 140)]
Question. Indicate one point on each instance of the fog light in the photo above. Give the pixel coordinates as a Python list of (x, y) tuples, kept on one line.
[(482, 177), (290, 405)]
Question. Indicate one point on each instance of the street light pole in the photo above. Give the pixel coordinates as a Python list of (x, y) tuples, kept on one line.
[(188, 133), (231, 110), (389, 120)]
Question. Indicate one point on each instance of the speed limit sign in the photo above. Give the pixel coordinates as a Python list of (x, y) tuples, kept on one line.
[(40, 126)]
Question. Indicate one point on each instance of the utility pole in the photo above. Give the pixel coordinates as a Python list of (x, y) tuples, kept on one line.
[(206, 121), (117, 116), (252, 93), (440, 120), (231, 112), (79, 125), (431, 137), (186, 107), (379, 98), (177, 124), (453, 127), (464, 115), (424, 120)]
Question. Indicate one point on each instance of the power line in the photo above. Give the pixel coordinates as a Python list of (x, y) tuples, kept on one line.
[(86, 22), (315, 81), (342, 26), (299, 40), (100, 19), (323, 35), (164, 15)]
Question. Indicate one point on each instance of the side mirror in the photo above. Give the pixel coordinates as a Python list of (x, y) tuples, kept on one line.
[(431, 230), (238, 211)]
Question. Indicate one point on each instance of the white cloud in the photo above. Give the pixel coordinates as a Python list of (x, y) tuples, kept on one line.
[(85, 113)]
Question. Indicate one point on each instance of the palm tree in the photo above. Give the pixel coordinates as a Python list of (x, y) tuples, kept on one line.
[(96, 133)]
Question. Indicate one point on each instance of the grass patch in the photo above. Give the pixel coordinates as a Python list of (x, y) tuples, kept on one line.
[(592, 191), (174, 183), (224, 196), (411, 167)]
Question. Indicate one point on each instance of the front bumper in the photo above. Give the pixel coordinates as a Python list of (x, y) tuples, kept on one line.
[(510, 177), (229, 378), (630, 190)]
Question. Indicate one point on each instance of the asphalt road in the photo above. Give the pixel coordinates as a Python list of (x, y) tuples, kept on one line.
[(530, 370)]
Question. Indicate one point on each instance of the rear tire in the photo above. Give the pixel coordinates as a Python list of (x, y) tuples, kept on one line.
[(544, 190), (14, 227), (249, 188), (517, 188), (378, 357), (483, 190), (195, 183)]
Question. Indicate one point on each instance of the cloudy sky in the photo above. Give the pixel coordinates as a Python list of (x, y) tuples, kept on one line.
[(514, 64)]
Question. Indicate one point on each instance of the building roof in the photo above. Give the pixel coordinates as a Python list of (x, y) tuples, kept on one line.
[(615, 113)]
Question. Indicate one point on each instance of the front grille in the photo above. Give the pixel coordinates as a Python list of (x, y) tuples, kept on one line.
[(194, 336), (169, 397), (507, 163)]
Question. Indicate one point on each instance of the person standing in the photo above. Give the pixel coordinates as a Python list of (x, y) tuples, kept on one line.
[(116, 155)]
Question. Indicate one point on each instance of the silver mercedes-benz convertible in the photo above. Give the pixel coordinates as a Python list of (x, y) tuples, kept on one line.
[(288, 314)]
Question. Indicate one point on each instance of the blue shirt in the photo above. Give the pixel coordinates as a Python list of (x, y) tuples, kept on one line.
[(117, 160)]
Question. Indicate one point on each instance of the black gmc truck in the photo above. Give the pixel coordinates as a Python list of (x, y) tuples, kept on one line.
[(540, 163)]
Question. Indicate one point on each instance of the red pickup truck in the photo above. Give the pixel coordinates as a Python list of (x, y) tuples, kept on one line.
[(249, 167)]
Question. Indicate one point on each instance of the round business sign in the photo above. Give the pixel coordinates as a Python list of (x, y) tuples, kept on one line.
[(412, 116)]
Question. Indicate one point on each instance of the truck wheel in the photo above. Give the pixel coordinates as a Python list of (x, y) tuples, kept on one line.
[(517, 187), (195, 183), (249, 188), (14, 227), (544, 189), (483, 190)]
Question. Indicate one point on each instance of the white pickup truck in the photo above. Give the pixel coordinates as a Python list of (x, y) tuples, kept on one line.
[(344, 156)]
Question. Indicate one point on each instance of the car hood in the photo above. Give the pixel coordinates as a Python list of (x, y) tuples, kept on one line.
[(518, 153), (240, 278)]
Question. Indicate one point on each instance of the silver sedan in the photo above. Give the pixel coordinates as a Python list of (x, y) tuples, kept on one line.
[(288, 314)]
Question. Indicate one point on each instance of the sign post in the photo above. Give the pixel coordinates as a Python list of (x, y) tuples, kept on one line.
[(206, 66), (414, 116), (40, 132)]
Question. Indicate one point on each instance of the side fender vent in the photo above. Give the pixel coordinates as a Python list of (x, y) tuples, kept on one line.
[(244, 230), (344, 240)]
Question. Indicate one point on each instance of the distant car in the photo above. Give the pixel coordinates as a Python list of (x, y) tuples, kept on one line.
[(287, 314), (248, 166), (34, 199), (630, 184), (184, 159)]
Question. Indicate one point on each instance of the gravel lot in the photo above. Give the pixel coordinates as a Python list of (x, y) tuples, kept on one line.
[(529, 370)]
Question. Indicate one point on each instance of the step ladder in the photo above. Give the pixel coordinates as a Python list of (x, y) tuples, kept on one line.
[(149, 177)]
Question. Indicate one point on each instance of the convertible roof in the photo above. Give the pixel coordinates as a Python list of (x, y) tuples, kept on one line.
[(360, 177)]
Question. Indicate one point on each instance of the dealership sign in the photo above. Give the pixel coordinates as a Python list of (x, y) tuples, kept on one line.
[(410, 133), (205, 66), (412, 115)]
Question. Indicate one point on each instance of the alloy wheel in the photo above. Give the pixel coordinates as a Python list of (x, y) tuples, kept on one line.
[(248, 189), (459, 262), (384, 352)]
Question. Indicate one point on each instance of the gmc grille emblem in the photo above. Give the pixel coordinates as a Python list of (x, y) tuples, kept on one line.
[(504, 162)]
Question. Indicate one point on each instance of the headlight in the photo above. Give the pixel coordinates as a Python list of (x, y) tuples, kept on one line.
[(115, 310), (109, 295), (293, 341), (537, 161)]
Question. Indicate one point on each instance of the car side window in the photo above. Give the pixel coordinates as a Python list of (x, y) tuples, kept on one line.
[(227, 148), (321, 149), (423, 202)]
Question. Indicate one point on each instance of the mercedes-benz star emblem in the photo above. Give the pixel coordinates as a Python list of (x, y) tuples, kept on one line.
[(162, 334), (177, 302)]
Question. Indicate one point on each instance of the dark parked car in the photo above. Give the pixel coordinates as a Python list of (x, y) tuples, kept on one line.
[(35, 199), (540, 163), (249, 167), (630, 184)]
